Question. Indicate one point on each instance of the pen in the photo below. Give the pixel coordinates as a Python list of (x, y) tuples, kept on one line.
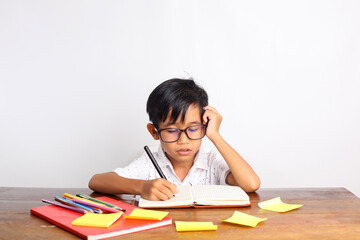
[(99, 201), (158, 169), (65, 206)]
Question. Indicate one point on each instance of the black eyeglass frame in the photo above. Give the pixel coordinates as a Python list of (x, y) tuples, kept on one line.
[(181, 131)]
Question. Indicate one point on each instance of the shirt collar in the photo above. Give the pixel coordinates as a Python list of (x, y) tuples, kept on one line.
[(200, 160), (162, 160)]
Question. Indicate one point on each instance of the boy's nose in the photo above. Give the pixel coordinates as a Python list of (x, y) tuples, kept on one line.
[(183, 138)]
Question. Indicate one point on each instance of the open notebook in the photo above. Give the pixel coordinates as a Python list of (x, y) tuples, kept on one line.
[(202, 196)]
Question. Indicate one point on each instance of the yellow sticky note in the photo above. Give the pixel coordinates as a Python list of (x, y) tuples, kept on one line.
[(244, 219), (182, 226), (97, 220), (138, 213), (277, 205)]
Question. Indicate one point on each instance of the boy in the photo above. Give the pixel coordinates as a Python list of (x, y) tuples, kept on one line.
[(181, 117)]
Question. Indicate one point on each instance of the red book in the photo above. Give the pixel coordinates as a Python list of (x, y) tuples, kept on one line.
[(63, 218)]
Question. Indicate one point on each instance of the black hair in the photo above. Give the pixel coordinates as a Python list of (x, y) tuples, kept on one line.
[(175, 96)]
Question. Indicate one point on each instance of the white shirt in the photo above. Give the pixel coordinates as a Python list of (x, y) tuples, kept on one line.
[(209, 168)]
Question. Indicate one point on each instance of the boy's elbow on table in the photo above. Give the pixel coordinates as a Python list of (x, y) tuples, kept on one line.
[(252, 186), (94, 182)]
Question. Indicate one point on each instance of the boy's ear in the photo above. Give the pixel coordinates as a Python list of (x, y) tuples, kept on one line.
[(152, 131)]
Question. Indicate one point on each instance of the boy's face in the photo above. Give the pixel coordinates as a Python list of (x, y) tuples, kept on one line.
[(184, 150)]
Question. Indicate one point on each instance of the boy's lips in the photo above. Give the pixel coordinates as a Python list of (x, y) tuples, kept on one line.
[(184, 151)]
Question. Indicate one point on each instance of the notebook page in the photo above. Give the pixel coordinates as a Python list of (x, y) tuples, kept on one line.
[(183, 197), (219, 193)]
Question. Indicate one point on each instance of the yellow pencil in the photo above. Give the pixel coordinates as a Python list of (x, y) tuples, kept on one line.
[(70, 196)]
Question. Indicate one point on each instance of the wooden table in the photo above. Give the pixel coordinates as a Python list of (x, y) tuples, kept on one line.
[(328, 213)]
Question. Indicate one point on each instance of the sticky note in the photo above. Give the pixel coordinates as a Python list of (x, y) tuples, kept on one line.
[(182, 226), (138, 213), (97, 220), (244, 219), (277, 205)]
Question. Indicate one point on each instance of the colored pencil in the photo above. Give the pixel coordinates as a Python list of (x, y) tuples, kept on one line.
[(99, 201), (74, 204), (93, 204), (70, 196), (65, 206)]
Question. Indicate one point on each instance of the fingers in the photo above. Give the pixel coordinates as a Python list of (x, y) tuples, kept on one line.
[(206, 116), (166, 190), (210, 108), (210, 112), (172, 187), (159, 189), (212, 119)]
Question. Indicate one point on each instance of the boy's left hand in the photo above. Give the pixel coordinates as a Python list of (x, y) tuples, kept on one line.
[(213, 120)]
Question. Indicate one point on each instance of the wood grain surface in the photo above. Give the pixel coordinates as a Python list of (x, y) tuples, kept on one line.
[(328, 213)]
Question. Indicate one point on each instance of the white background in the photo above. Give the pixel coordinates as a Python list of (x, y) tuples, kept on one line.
[(75, 77)]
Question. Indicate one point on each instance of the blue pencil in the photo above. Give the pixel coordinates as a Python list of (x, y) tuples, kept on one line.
[(74, 204), (65, 206)]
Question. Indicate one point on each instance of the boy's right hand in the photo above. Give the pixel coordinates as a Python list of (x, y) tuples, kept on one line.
[(158, 189)]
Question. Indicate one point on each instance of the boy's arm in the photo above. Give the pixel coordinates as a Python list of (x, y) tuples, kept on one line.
[(241, 173), (112, 183)]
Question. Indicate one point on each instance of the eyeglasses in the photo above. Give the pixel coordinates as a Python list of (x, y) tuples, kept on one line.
[(195, 132)]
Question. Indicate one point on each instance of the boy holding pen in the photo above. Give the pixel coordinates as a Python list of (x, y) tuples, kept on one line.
[(181, 117)]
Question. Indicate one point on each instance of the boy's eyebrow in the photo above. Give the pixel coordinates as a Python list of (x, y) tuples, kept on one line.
[(170, 123)]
